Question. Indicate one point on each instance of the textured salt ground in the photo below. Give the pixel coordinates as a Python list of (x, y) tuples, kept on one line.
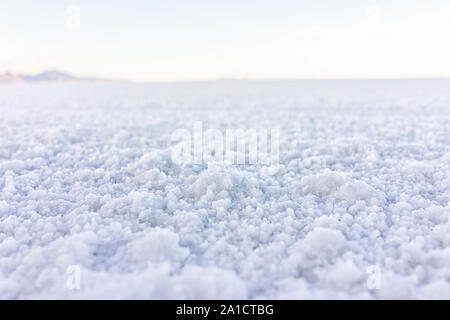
[(87, 180)]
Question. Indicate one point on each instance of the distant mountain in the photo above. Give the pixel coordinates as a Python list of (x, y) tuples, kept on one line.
[(48, 76), (8, 77)]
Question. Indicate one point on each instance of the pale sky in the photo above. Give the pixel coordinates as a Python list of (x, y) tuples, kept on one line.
[(168, 40)]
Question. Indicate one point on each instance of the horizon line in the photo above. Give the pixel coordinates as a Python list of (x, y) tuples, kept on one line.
[(80, 78)]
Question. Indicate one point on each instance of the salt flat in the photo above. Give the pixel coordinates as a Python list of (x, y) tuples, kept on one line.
[(92, 204)]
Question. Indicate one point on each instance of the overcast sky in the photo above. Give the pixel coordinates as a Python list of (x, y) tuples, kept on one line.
[(168, 40)]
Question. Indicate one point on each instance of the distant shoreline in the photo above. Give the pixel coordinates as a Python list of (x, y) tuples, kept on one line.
[(54, 76)]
